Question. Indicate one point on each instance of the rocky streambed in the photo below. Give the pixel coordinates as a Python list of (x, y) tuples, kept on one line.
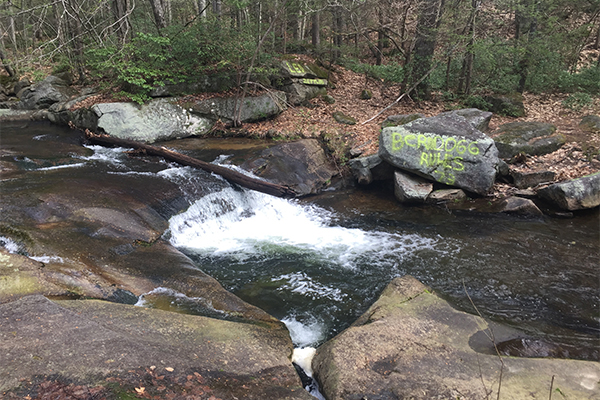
[(84, 243)]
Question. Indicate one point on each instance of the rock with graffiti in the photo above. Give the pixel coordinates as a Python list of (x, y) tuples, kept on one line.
[(445, 148)]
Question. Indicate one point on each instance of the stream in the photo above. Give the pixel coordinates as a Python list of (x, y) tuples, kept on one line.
[(319, 262)]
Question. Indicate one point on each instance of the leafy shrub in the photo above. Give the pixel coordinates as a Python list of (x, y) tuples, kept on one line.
[(578, 101)]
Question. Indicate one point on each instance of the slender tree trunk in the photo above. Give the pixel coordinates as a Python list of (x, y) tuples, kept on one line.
[(9, 70), (202, 8), (158, 10), (467, 68), (121, 12), (216, 4), (526, 22), (425, 46), (316, 29), (76, 32)]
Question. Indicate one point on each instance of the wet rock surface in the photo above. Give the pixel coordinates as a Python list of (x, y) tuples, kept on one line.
[(302, 165), (122, 348), (412, 344)]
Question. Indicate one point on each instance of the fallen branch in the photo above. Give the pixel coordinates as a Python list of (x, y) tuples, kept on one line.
[(229, 174)]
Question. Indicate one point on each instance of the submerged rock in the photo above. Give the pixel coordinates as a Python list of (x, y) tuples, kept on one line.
[(446, 149), (411, 344), (521, 206), (575, 194)]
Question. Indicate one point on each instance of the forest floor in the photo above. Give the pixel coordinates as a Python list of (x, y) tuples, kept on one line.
[(578, 157)]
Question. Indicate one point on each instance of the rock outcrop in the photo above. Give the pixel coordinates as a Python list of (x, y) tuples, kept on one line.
[(45, 93), (410, 188), (576, 194), (446, 149), (123, 348), (533, 138), (411, 344)]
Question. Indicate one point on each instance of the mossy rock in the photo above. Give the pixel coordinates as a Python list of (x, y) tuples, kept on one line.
[(510, 105), (343, 118), (590, 123), (328, 99), (533, 138), (366, 94)]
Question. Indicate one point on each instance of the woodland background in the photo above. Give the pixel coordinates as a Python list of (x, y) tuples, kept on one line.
[(465, 48)]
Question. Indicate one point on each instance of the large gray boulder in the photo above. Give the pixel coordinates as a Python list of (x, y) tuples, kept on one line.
[(533, 138), (252, 108), (575, 194), (43, 94), (446, 148), (301, 165), (120, 347), (411, 344), (160, 119), (479, 119)]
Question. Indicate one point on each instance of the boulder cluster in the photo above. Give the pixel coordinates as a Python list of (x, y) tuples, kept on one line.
[(448, 157)]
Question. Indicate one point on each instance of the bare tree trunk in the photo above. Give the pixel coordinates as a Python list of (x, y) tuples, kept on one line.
[(158, 10), (316, 29), (121, 11), (76, 31), (425, 40), (202, 8), (9, 70), (217, 8), (467, 68)]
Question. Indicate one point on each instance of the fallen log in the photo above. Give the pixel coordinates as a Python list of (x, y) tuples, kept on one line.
[(229, 174)]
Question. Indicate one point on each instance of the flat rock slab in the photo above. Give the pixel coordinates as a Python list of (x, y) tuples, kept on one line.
[(86, 341), (533, 138), (446, 148), (411, 344)]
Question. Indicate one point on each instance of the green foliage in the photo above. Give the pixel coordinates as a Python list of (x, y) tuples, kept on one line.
[(578, 101), (475, 101), (391, 72), (586, 80)]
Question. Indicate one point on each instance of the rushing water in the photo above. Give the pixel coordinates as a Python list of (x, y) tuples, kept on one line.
[(318, 263)]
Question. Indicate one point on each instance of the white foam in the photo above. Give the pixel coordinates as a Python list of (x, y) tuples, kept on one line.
[(48, 259), (110, 155), (77, 165), (241, 223), (10, 245), (300, 282), (305, 334), (303, 358)]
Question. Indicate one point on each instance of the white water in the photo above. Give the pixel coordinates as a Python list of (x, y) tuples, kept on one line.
[(240, 224)]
